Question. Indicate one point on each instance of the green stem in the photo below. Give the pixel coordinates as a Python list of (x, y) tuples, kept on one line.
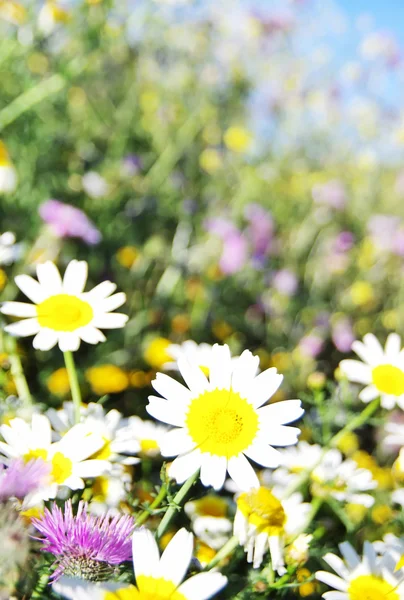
[(224, 551), (17, 373), (40, 587), (178, 498), (74, 384), (155, 504)]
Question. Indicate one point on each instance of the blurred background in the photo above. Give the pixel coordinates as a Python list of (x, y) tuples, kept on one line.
[(238, 165)]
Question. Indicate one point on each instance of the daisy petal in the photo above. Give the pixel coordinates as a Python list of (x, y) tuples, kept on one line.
[(171, 389), (91, 335), (369, 393), (193, 376), (213, 470), (245, 371), (370, 350), (356, 371), (393, 345), (31, 288), (146, 558), (49, 277), (45, 339), (332, 580), (18, 309), (264, 386), (281, 412), (75, 277), (110, 320), (102, 290), (220, 368), (242, 473), (113, 302), (282, 435), (168, 412), (184, 466), (176, 557), (23, 328), (202, 586), (264, 455), (176, 442), (69, 341)]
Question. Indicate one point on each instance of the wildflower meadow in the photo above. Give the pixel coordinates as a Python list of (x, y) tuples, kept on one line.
[(201, 301)]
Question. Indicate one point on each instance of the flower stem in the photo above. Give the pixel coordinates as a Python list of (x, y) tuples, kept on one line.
[(17, 373), (155, 504), (74, 384), (224, 551), (178, 498)]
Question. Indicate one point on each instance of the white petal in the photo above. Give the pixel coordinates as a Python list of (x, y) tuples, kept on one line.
[(75, 277), (102, 290), (264, 386), (41, 431), (91, 335), (92, 468), (113, 302), (356, 371), (146, 557), (242, 473), (184, 466), (31, 288), (176, 442), (220, 368), (393, 345), (69, 341), (335, 596), (110, 321), (9, 450), (171, 389), (369, 393), (280, 412), (244, 372), (349, 554), (213, 470), (176, 557), (78, 444), (49, 278), (77, 589), (45, 339), (202, 586), (370, 351), (23, 328), (281, 435), (193, 376), (332, 580), (168, 412), (19, 309), (264, 455), (338, 565)]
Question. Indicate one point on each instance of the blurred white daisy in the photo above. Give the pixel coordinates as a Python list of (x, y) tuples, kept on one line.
[(147, 434), (156, 577), (382, 371), (9, 250), (221, 421), (198, 354), (68, 457), (210, 521), (110, 426), (370, 577), (51, 16), (293, 461), (62, 312), (110, 491), (342, 480), (393, 546)]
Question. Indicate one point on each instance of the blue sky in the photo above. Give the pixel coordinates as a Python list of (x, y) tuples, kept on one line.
[(386, 14)]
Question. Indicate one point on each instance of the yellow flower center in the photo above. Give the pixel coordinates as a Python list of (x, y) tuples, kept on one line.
[(264, 510), (36, 453), (62, 468), (388, 379), (103, 453), (150, 445), (211, 506), (64, 313), (149, 588), (369, 587), (222, 423), (100, 489)]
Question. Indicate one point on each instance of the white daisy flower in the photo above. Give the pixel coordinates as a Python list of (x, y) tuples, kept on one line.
[(156, 577), (382, 371), (9, 250), (342, 480), (221, 421), (8, 174), (394, 546), (369, 577), (198, 354), (110, 491), (210, 521), (294, 460), (62, 312), (266, 521), (67, 457), (111, 427), (147, 434)]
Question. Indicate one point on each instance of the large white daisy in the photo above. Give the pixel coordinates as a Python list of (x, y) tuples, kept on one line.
[(221, 420), (371, 577), (156, 577), (67, 457), (382, 371), (62, 312)]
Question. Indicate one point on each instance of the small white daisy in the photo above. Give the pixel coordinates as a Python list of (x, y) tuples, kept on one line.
[(264, 521), (342, 480), (68, 457), (147, 434), (156, 577), (394, 546), (371, 577), (382, 371), (198, 354), (111, 427), (222, 420), (294, 460), (110, 491), (62, 312), (210, 521)]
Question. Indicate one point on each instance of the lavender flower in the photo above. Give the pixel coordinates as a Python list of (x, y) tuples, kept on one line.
[(20, 478), (85, 545), (69, 221)]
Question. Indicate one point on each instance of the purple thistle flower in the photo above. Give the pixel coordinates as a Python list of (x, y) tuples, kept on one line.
[(20, 478), (85, 545), (69, 221)]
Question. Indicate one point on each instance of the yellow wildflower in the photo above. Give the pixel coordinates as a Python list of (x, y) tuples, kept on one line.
[(58, 382), (156, 353), (107, 379), (127, 256), (237, 138)]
